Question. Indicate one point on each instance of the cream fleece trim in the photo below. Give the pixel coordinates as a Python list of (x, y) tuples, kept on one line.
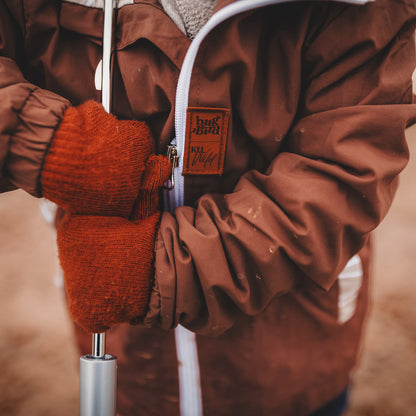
[(171, 9), (189, 15)]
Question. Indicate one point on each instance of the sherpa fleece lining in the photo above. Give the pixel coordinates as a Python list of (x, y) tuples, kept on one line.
[(189, 15)]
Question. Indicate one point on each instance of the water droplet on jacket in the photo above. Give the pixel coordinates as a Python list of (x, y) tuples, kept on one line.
[(146, 355)]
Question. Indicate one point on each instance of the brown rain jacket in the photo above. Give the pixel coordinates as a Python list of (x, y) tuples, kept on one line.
[(319, 96)]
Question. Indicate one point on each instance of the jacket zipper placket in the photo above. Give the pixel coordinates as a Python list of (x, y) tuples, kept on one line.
[(176, 194), (189, 377)]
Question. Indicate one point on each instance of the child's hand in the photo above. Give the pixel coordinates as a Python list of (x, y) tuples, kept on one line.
[(108, 268), (96, 163)]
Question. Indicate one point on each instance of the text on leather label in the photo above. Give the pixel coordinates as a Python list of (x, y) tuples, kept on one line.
[(205, 141)]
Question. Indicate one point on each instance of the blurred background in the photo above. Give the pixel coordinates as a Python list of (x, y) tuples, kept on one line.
[(39, 362)]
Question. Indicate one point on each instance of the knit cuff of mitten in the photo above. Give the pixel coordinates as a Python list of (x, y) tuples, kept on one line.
[(96, 162)]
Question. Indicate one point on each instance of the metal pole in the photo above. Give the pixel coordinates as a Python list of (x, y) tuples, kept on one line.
[(97, 385), (98, 371), (98, 345), (107, 47)]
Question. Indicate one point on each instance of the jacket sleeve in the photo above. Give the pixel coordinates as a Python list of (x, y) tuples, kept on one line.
[(320, 198), (28, 115)]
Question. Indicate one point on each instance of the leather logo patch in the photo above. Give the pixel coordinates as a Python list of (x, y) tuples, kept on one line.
[(206, 137)]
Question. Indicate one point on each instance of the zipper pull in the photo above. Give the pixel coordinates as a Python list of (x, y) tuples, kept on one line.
[(174, 160)]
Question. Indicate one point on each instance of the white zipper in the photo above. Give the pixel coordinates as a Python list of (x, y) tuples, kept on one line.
[(189, 378)]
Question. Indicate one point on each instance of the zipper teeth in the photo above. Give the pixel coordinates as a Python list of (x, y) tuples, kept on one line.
[(182, 91)]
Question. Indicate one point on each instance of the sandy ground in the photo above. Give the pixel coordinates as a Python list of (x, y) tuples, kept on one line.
[(38, 360)]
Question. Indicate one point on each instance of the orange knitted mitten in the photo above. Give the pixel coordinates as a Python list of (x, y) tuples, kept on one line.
[(96, 162), (104, 172), (108, 261), (108, 268)]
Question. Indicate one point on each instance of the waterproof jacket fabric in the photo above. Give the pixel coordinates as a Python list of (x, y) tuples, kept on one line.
[(319, 95)]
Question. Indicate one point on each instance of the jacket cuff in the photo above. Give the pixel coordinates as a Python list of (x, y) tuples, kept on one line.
[(161, 310), (38, 120)]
